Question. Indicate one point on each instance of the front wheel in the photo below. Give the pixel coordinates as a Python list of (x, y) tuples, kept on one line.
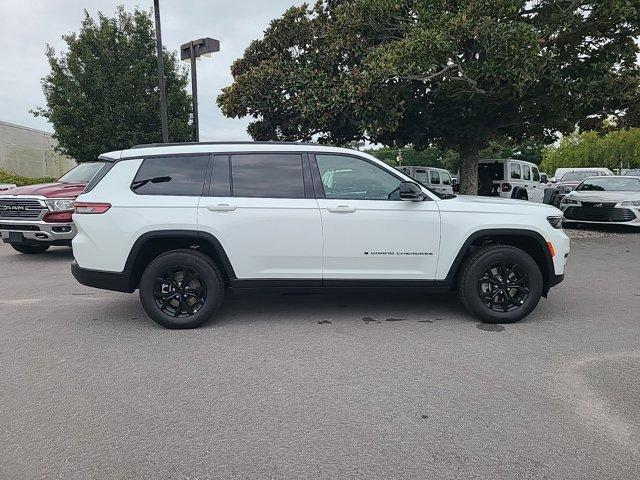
[(29, 249), (181, 289), (500, 284)]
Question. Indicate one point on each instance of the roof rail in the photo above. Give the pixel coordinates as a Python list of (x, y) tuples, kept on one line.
[(246, 142)]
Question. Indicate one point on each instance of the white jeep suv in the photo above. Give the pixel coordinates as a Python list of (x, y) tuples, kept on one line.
[(184, 222)]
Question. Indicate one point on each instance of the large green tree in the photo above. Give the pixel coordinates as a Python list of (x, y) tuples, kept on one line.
[(102, 94), (615, 149), (455, 74)]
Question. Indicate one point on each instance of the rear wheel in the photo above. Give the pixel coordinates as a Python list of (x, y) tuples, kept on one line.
[(181, 289), (500, 284), (29, 249)]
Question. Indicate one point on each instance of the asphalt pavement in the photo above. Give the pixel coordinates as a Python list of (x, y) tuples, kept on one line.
[(341, 385)]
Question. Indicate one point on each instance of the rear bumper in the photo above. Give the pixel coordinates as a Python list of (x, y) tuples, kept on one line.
[(114, 281)]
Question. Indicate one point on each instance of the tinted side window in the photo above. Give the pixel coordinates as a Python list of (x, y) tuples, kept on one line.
[(515, 171), (527, 172), (446, 179), (267, 175), (352, 178), (435, 177), (174, 175)]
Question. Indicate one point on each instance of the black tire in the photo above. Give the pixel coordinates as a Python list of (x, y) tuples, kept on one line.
[(520, 193), (481, 275), (195, 302), (30, 249)]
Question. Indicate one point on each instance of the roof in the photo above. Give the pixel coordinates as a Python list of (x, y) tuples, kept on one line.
[(220, 147)]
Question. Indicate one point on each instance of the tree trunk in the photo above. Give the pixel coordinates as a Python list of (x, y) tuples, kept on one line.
[(469, 155)]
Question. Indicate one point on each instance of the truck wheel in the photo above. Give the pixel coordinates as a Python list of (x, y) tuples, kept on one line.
[(500, 284), (181, 289), (29, 249)]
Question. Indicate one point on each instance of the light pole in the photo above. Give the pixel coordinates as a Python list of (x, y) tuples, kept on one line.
[(191, 51), (163, 97)]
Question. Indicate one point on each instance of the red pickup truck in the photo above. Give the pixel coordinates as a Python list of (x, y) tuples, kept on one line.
[(36, 217)]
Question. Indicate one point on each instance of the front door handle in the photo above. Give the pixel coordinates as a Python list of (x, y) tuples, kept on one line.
[(341, 209), (222, 207)]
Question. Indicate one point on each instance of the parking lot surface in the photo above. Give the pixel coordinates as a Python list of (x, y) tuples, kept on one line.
[(341, 385)]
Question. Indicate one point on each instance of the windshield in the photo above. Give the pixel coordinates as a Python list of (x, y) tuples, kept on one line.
[(610, 184), (578, 176), (635, 172), (83, 173)]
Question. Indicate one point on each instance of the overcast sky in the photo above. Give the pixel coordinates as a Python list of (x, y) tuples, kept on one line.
[(27, 25)]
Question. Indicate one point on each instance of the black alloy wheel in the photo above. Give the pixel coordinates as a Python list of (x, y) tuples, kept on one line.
[(180, 292), (181, 288), (504, 287), (500, 283)]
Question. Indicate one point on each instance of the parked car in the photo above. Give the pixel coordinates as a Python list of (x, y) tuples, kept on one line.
[(571, 180), (36, 217), (559, 173), (7, 186), (437, 179), (184, 222), (510, 178), (604, 199), (633, 172)]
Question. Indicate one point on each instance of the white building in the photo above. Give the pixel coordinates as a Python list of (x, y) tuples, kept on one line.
[(30, 152)]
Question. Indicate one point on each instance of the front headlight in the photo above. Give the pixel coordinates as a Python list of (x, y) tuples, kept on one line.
[(63, 205), (570, 201), (632, 203), (555, 222)]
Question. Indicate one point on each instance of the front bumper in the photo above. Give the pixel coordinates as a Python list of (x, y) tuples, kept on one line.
[(37, 232), (605, 215)]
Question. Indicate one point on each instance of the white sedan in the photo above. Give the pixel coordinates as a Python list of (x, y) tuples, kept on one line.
[(604, 200)]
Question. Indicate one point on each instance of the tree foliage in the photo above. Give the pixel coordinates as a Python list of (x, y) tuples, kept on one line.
[(618, 148), (102, 94), (436, 72)]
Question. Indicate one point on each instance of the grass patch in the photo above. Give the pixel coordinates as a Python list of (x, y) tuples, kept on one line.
[(11, 177)]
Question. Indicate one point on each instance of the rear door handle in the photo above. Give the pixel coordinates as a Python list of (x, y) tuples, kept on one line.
[(222, 207), (341, 209)]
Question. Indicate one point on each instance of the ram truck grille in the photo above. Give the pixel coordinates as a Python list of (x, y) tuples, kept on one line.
[(11, 208)]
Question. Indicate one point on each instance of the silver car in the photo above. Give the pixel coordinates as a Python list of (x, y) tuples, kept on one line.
[(604, 200)]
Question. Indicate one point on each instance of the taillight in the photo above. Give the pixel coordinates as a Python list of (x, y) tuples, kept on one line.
[(57, 217), (90, 207), (506, 187)]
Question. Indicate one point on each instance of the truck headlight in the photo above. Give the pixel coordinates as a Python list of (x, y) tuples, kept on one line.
[(62, 205), (631, 203)]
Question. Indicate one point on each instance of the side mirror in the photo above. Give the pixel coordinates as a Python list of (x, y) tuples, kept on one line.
[(411, 191)]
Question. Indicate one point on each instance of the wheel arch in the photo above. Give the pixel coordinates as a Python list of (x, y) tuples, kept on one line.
[(529, 241), (151, 244)]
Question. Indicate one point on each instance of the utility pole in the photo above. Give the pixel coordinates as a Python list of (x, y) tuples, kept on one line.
[(163, 97), (191, 51)]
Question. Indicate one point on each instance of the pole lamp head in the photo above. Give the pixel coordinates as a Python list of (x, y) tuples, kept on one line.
[(202, 46)]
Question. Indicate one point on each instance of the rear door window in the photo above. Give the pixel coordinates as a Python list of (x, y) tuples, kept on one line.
[(181, 175), (422, 176), (267, 175), (446, 178), (536, 174), (434, 177), (515, 171), (526, 172)]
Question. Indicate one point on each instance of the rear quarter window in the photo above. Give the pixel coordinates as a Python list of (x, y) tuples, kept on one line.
[(171, 175)]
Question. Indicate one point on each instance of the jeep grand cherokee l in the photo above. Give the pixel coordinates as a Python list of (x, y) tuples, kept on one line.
[(36, 217), (184, 222)]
